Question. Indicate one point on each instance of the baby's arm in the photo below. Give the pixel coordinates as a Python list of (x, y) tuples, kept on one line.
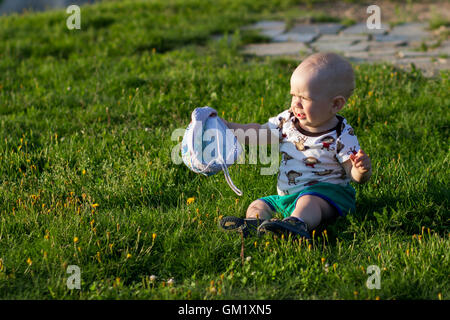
[(359, 167), (252, 133)]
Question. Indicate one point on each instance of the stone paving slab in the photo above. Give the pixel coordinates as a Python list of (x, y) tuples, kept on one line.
[(399, 45), (275, 49), (338, 38), (317, 28), (271, 33), (411, 31), (269, 29), (374, 54), (390, 38), (341, 46), (417, 54), (266, 25), (296, 37), (443, 49), (357, 43), (361, 28), (428, 68)]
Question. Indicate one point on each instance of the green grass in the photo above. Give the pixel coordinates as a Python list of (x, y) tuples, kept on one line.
[(86, 119)]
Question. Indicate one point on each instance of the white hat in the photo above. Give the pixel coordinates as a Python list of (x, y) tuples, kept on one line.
[(209, 146)]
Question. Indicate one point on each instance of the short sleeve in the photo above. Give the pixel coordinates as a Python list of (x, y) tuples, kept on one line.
[(277, 122), (347, 144)]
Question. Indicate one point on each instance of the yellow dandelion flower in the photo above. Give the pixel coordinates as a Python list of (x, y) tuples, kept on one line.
[(128, 256), (190, 200), (95, 205), (322, 260), (153, 236), (29, 261), (83, 172), (440, 296), (75, 239)]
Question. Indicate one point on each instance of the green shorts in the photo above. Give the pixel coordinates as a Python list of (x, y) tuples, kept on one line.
[(340, 197)]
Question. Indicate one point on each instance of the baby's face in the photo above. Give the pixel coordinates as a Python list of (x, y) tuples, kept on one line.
[(310, 103)]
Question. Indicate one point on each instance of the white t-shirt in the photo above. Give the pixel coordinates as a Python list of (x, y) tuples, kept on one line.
[(308, 158)]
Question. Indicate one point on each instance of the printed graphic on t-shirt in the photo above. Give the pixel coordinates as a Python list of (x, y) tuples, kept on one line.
[(306, 158)]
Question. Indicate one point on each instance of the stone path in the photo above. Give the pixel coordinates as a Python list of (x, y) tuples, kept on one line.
[(402, 45)]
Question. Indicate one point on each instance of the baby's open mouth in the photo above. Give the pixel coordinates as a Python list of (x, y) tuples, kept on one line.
[(301, 115)]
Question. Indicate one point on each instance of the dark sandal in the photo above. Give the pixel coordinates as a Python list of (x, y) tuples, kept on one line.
[(286, 226), (231, 223)]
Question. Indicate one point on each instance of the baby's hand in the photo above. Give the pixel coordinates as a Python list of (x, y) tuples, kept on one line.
[(361, 161)]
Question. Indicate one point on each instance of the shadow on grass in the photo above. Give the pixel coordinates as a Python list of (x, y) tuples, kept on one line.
[(163, 45), (406, 214)]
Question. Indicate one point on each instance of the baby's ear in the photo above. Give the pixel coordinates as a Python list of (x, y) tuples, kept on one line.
[(338, 103)]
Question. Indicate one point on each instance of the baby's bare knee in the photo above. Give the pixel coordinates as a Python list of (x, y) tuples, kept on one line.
[(259, 209)]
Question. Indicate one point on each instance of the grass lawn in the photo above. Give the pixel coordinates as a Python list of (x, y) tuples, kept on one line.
[(86, 177)]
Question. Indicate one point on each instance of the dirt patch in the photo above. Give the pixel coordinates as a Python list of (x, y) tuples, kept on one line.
[(391, 12)]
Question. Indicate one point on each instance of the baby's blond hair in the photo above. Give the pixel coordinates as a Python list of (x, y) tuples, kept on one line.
[(332, 72)]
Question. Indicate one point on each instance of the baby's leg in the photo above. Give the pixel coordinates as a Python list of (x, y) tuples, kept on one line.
[(259, 209), (314, 210)]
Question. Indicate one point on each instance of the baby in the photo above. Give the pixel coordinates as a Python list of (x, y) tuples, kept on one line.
[(320, 153)]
